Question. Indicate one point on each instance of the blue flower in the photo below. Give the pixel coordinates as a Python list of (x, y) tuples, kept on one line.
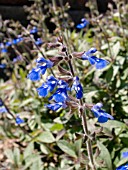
[(19, 120), (3, 110), (98, 62), (123, 167), (83, 23), (4, 50), (77, 87), (43, 60), (56, 106), (52, 82), (2, 66), (1, 102), (33, 30), (60, 95), (7, 44), (48, 86), (125, 154), (35, 73), (43, 90), (17, 40), (1, 45), (101, 115), (39, 41)]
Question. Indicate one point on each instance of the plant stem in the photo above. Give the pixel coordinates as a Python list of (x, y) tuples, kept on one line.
[(84, 124)]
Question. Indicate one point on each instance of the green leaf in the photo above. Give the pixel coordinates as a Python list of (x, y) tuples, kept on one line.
[(37, 165), (105, 155), (30, 160), (28, 151), (116, 49), (57, 127), (46, 137), (67, 148), (17, 156), (44, 149), (25, 102), (9, 154), (78, 145), (113, 124), (109, 75)]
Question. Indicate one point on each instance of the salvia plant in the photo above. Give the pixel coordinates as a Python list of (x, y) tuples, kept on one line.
[(67, 90)]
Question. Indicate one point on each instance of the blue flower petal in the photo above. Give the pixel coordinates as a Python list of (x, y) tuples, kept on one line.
[(34, 75), (101, 63), (7, 44), (125, 154), (92, 50), (2, 65), (54, 106), (123, 167), (52, 85), (43, 68), (100, 114), (19, 120), (85, 56), (39, 41), (41, 60), (83, 24), (102, 119), (91, 60), (33, 30), (60, 97), (43, 90), (4, 50), (3, 110), (79, 95), (1, 102)]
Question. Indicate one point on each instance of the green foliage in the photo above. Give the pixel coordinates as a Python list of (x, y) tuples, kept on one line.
[(54, 140)]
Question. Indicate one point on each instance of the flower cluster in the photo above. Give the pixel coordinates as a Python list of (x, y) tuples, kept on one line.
[(83, 23), (41, 67), (34, 31), (100, 114), (4, 46), (60, 96), (3, 110), (98, 62)]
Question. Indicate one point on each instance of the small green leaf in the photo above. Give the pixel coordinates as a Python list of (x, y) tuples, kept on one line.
[(116, 49), (46, 137), (28, 151), (104, 154), (78, 144), (17, 156), (109, 75), (44, 149), (9, 154), (57, 127), (25, 102), (67, 148)]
